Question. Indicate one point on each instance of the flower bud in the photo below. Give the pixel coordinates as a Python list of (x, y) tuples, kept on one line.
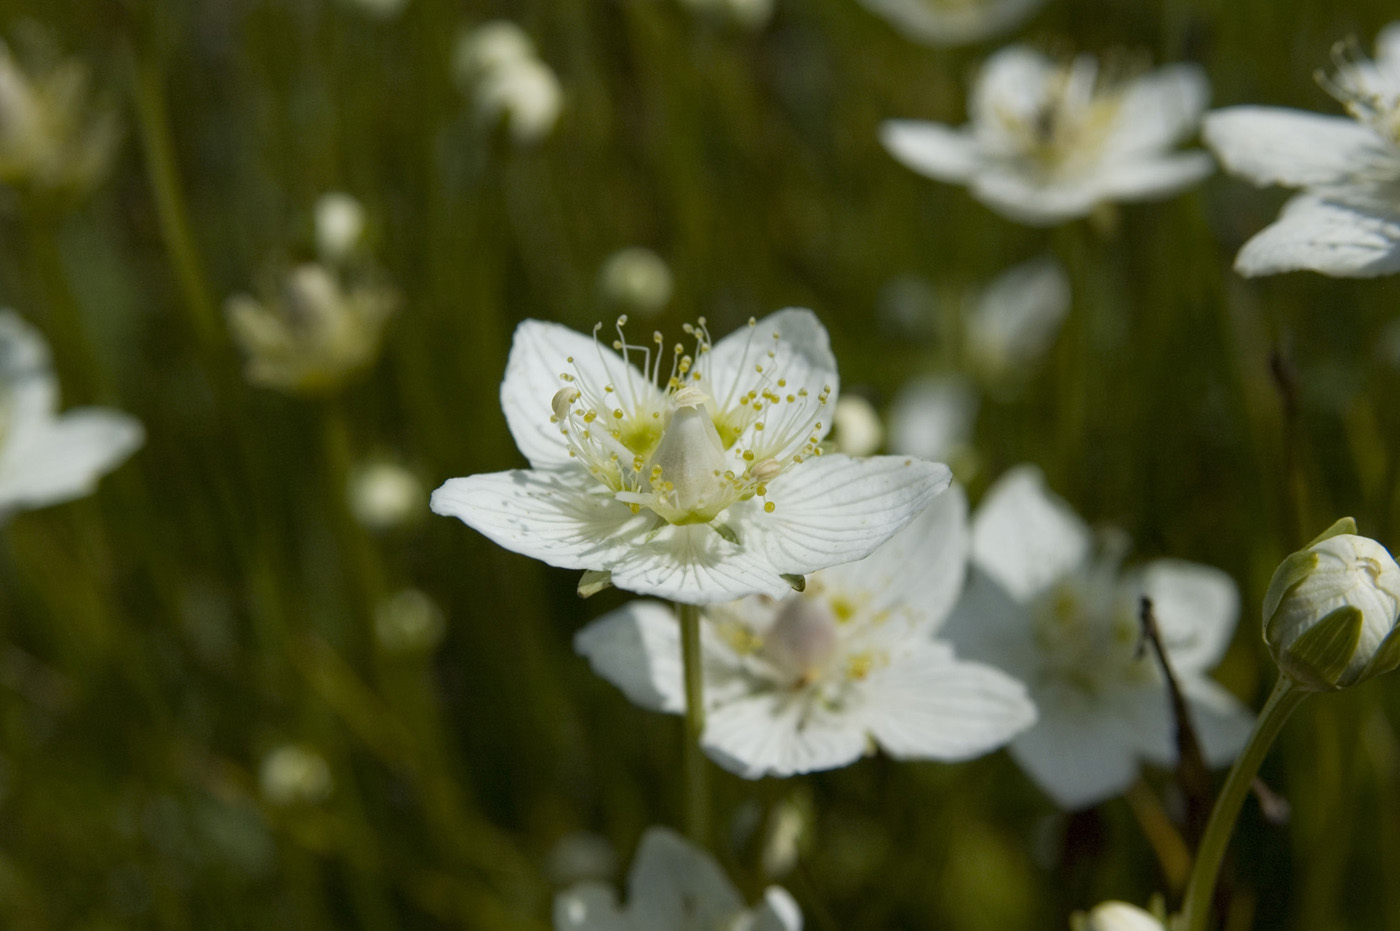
[(1115, 916), (636, 279), (294, 775), (384, 495), (340, 225), (1330, 612)]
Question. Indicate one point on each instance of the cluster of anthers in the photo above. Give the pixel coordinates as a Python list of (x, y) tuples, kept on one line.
[(1076, 108), (1370, 93), (688, 448)]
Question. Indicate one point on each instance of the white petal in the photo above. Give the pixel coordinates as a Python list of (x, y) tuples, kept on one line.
[(991, 626), (1159, 109), (1196, 608), (1024, 537), (833, 509), (1146, 178), (777, 912), (921, 567), (942, 25), (1016, 318), (803, 358), (1221, 720), (1273, 145), (551, 516), (57, 460), (1077, 753), (933, 149), (928, 705), (638, 649), (1388, 48), (1012, 86), (589, 906), (1020, 197), (1120, 916), (674, 884), (931, 417), (693, 564), (1323, 236), (539, 354), (778, 733)]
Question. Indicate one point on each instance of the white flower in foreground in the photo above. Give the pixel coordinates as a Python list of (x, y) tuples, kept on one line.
[(47, 457), (816, 680), (1116, 916), (943, 23), (1044, 607), (1048, 142), (673, 886), (1331, 610), (1346, 222), (698, 481)]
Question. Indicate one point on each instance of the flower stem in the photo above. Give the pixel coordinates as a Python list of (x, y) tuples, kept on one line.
[(1200, 889), (697, 788)]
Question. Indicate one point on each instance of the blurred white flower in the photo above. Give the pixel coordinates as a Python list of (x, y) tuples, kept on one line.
[(53, 137), (1044, 607), (1331, 610), (932, 417), (816, 680), (636, 279), (1346, 222), (488, 47), (856, 426), (340, 226), (579, 857), (496, 66), (409, 622), (1116, 916), (1048, 142), (315, 333), (383, 9), (384, 495), (943, 23), (1011, 325), (294, 775), (47, 457), (698, 481), (750, 14), (673, 886)]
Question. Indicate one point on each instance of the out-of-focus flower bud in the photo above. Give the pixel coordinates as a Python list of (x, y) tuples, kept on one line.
[(635, 279), (314, 334), (526, 95), (294, 775), (487, 48), (53, 139), (409, 622), (384, 495), (340, 226), (1330, 612), (857, 428), (1115, 916)]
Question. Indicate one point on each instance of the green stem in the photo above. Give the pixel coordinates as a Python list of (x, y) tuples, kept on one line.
[(1200, 889), (697, 776)]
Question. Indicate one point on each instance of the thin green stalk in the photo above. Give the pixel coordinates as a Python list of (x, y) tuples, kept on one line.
[(697, 775), (1200, 889)]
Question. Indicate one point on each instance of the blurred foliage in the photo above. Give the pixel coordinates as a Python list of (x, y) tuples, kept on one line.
[(215, 600)]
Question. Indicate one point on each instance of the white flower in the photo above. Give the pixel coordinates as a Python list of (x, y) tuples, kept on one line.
[(294, 775), (47, 458), (1048, 142), (943, 23), (340, 226), (495, 64), (488, 47), (815, 680), (932, 417), (1013, 322), (636, 279), (1346, 221), (1116, 916), (1045, 608), (673, 886), (699, 480), (1331, 610), (858, 431), (383, 495)]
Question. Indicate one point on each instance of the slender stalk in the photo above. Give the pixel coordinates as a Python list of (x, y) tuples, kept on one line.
[(697, 776), (1200, 889)]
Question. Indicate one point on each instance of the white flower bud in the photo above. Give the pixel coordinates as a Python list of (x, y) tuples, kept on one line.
[(803, 639), (857, 426), (340, 224), (384, 495), (1331, 609), (525, 94), (382, 9), (489, 47), (293, 775), (636, 279), (1116, 916)]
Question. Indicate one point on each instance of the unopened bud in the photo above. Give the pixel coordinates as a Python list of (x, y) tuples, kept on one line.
[(637, 279), (1116, 916)]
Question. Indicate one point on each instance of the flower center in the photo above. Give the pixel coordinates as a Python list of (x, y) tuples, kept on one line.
[(803, 640), (687, 448), (1370, 93), (1064, 126), (1086, 635)]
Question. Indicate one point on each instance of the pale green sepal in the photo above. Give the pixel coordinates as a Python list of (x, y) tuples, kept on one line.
[(1294, 569), (1387, 656), (1319, 657), (798, 582), (1343, 525), (727, 532), (593, 582)]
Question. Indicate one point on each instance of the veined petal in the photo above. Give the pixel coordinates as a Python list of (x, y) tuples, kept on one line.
[(553, 516), (1196, 608), (48, 461), (930, 706), (1078, 754), (833, 509), (638, 649), (673, 884), (694, 564), (1024, 537), (1159, 108), (1274, 145), (780, 734), (1147, 177), (932, 149), (539, 355), (1321, 235)]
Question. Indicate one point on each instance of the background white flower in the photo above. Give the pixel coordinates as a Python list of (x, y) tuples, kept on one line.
[(813, 681), (953, 22), (673, 886), (45, 457), (1049, 141), (704, 484), (1347, 220), (1045, 607), (495, 65), (1115, 916)]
